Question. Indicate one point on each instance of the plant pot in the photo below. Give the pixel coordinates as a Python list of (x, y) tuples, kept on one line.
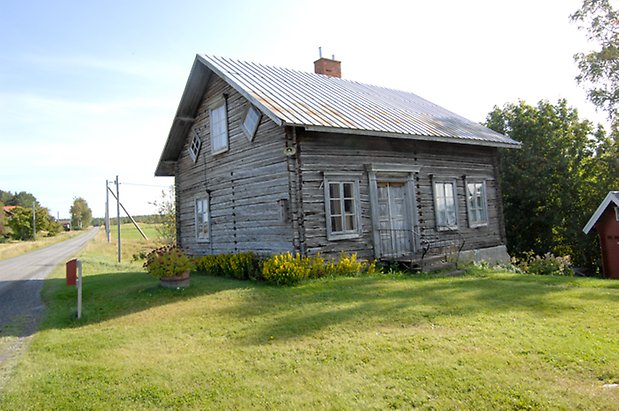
[(176, 281)]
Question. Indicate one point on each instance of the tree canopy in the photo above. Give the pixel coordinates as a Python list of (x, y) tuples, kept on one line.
[(599, 68), (21, 222), (81, 214), (22, 199), (554, 183)]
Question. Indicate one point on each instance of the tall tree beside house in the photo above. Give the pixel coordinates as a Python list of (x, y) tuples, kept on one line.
[(81, 214), (599, 69), (554, 183)]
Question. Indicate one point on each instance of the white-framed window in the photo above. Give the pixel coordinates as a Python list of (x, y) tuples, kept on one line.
[(194, 147), (342, 207), (219, 127), (445, 204), (203, 221), (251, 121), (617, 213), (476, 203)]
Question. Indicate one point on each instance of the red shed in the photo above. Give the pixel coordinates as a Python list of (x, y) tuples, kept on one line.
[(605, 220)]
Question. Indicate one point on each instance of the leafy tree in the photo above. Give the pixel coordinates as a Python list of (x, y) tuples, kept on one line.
[(81, 214), (554, 183), (166, 216), (599, 69), (21, 222), (53, 227), (5, 196), (22, 199)]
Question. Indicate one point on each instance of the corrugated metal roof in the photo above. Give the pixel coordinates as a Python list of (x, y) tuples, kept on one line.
[(323, 103)]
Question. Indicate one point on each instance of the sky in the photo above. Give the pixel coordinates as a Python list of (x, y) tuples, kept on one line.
[(88, 89)]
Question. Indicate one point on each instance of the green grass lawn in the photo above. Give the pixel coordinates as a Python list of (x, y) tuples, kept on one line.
[(481, 341)]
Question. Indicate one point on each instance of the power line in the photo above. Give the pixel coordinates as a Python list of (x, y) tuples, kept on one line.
[(143, 185)]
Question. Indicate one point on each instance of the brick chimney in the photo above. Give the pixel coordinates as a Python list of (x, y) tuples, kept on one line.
[(329, 67)]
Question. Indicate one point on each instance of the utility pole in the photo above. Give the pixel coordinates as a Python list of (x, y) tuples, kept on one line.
[(107, 210), (118, 216), (34, 221)]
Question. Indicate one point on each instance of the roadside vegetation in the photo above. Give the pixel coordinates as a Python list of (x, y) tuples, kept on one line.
[(14, 248), (485, 340)]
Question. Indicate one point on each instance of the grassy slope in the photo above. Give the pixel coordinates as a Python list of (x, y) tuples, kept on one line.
[(480, 341)]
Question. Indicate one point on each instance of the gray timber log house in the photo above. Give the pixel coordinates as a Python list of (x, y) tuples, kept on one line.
[(269, 159)]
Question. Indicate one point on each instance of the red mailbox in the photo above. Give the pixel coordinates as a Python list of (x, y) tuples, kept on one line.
[(72, 272)]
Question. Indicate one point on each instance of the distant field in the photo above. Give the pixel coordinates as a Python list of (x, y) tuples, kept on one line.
[(129, 232), (482, 341)]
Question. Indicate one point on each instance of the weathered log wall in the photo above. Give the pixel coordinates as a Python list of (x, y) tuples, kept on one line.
[(322, 152), (244, 184)]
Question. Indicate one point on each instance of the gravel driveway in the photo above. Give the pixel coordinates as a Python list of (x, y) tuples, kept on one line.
[(21, 282)]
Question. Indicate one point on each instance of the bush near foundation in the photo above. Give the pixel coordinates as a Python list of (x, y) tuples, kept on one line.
[(289, 269), (282, 269), (548, 264), (242, 266)]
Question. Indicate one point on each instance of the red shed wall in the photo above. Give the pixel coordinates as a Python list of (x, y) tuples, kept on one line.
[(608, 230)]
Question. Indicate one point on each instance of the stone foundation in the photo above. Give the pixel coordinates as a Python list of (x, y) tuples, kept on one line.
[(492, 255)]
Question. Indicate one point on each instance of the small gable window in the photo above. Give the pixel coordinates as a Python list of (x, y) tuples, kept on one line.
[(219, 127), (445, 209), (476, 203), (251, 122), (194, 147)]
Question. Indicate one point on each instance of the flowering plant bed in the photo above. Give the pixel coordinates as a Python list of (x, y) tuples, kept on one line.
[(168, 262)]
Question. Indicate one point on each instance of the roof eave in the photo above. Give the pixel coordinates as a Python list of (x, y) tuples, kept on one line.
[(610, 197), (442, 139), (197, 81)]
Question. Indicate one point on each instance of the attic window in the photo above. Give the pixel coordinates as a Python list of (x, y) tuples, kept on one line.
[(219, 127), (194, 147), (617, 213), (251, 122)]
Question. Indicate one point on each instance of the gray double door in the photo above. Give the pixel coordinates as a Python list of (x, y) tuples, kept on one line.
[(394, 215)]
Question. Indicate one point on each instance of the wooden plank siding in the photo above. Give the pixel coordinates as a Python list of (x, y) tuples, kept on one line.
[(323, 153), (244, 184)]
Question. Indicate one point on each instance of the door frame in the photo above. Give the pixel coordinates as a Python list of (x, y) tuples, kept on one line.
[(395, 173)]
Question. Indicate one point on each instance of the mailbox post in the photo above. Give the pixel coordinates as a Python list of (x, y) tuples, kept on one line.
[(74, 277)]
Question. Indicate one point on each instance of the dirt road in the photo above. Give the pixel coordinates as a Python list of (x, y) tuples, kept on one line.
[(21, 282)]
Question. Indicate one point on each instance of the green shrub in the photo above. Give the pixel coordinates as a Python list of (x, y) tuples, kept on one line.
[(243, 266), (281, 269), (167, 261), (208, 264), (349, 265), (317, 266), (286, 269), (290, 269), (548, 264)]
